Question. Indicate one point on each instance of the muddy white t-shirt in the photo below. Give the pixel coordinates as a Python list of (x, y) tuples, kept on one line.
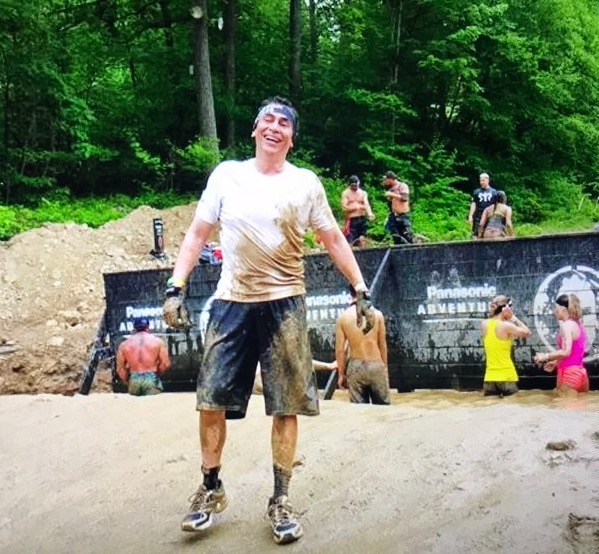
[(263, 220)]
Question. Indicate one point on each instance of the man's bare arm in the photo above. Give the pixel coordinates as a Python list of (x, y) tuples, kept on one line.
[(340, 347), (369, 211), (471, 212), (196, 236), (340, 341), (164, 361), (397, 195), (121, 365)]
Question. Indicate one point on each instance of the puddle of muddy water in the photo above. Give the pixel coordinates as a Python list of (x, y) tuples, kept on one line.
[(444, 399)]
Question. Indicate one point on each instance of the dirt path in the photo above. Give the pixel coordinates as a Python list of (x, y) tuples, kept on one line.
[(437, 472)]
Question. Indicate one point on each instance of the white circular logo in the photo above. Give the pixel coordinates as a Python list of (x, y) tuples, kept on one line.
[(580, 280)]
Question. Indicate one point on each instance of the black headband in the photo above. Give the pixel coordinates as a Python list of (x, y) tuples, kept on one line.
[(500, 307), (563, 301)]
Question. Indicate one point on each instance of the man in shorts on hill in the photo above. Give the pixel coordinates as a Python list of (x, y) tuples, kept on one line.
[(355, 205), (399, 221), (264, 206)]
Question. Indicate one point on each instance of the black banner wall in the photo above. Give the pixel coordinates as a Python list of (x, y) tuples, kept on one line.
[(433, 297)]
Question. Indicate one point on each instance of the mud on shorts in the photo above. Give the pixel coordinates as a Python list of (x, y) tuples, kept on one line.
[(500, 388), (145, 383), (240, 334), (367, 382)]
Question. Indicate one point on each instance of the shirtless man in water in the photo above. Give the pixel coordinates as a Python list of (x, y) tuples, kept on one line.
[(141, 360), (362, 358)]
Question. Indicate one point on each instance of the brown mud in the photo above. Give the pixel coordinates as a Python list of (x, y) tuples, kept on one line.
[(434, 473)]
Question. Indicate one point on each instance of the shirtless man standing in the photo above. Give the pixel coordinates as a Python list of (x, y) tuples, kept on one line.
[(354, 203), (364, 370), (399, 223), (141, 359)]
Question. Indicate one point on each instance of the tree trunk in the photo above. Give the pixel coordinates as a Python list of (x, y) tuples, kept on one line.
[(203, 77), (167, 21), (295, 35), (230, 27), (313, 32), (397, 10)]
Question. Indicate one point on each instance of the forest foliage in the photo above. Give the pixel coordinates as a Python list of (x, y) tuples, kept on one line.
[(104, 102)]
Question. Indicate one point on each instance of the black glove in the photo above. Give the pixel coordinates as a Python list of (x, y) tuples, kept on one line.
[(364, 311)]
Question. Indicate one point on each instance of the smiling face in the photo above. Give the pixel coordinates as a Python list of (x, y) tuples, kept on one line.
[(273, 131)]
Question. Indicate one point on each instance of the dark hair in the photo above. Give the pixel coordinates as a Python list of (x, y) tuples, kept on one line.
[(283, 102), (390, 175), (501, 197), (354, 179), (141, 323)]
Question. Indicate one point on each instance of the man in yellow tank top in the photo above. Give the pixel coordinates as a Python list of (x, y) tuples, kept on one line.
[(498, 333)]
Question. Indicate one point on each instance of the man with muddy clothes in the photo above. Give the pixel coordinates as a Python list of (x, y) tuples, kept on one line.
[(362, 357), (141, 360), (264, 206)]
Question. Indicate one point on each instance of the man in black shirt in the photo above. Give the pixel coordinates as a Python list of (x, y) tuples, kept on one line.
[(482, 197)]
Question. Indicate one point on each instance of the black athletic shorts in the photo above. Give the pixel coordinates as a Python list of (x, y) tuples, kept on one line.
[(240, 334), (357, 228)]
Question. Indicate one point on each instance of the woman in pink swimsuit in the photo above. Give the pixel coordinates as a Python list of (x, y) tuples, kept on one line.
[(571, 344)]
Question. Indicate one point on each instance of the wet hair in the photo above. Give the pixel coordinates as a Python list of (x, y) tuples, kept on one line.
[(141, 323), (500, 302), (354, 179), (501, 197), (285, 107), (390, 175), (572, 303)]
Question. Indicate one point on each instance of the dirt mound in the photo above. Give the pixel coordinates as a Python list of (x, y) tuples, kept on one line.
[(53, 293)]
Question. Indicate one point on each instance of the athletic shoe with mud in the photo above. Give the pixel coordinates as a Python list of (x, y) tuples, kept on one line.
[(285, 526), (204, 503)]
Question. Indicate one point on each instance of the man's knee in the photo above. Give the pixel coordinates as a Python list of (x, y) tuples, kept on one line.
[(211, 417), (283, 422)]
